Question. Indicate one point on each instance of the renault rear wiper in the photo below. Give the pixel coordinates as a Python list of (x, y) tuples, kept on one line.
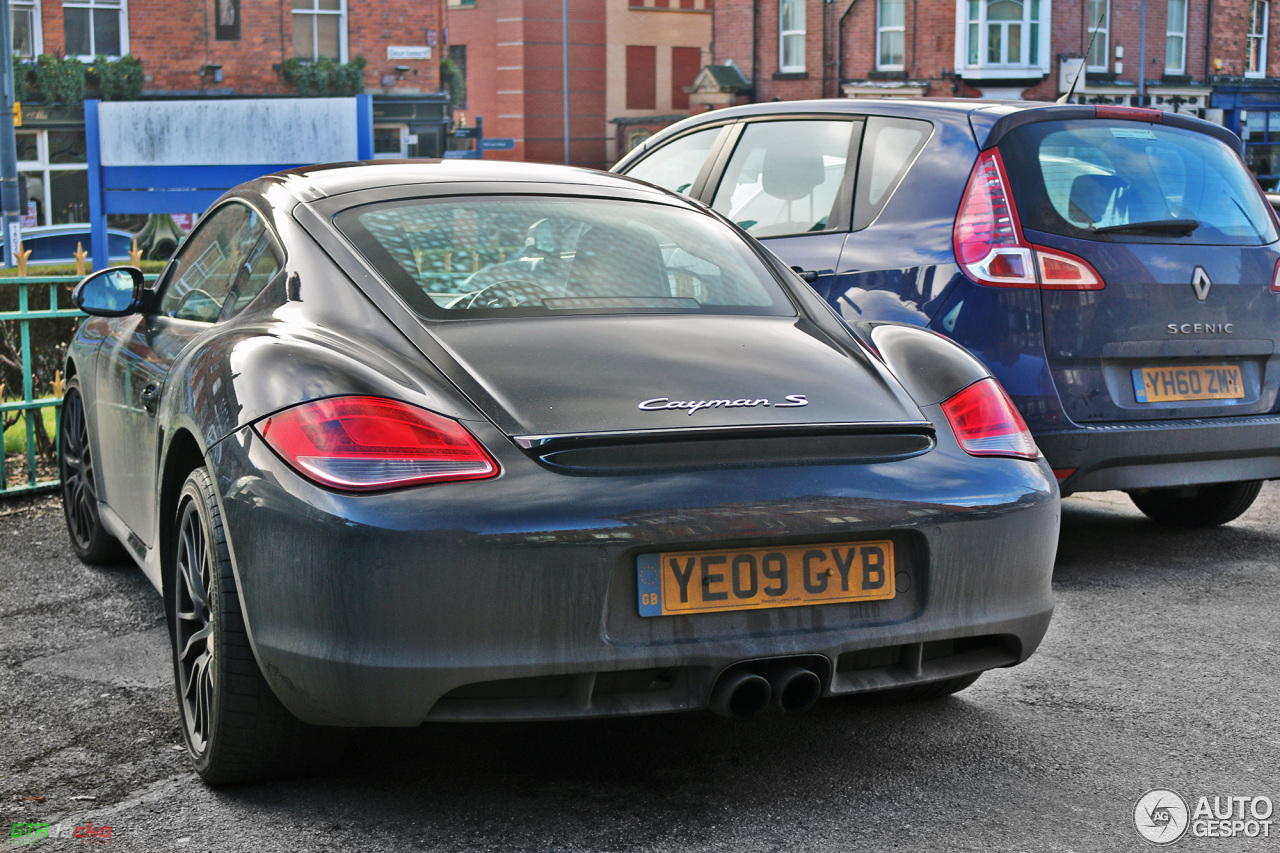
[(1183, 227)]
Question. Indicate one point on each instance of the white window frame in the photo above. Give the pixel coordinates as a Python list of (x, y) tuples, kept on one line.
[(41, 167), (1260, 38), (37, 28), (984, 70), (1103, 38), (1176, 32), (784, 34), (881, 29), (340, 13), (400, 153), (121, 6)]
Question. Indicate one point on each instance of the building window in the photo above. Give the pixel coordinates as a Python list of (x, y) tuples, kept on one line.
[(890, 33), (320, 29), (458, 83), (791, 36), (642, 77), (461, 4), (1257, 61), (95, 28), (1175, 38), (1004, 33), (57, 171), (1100, 33), (24, 16), (686, 65)]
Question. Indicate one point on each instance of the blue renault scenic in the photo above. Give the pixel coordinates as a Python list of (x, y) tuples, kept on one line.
[(1115, 267)]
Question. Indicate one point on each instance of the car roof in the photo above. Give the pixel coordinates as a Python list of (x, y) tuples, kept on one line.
[(958, 110), (311, 183), (988, 120), (69, 228)]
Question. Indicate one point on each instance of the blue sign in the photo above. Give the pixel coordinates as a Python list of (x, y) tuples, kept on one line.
[(497, 144), (462, 155), (465, 132)]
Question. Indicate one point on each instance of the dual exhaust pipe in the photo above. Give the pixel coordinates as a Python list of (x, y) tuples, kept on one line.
[(744, 692)]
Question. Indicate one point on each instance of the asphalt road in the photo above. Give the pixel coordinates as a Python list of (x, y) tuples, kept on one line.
[(1159, 672)]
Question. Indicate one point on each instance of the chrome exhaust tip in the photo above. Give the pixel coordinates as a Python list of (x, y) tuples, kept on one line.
[(794, 688), (741, 695)]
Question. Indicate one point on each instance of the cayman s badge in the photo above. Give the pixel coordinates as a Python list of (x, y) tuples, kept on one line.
[(1200, 283), (659, 404)]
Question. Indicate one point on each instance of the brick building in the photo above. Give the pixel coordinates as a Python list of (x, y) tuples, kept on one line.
[(221, 49), (1213, 58), (629, 62), (982, 48)]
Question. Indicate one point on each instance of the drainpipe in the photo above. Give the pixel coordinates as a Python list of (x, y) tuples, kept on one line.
[(1208, 46), (1142, 55), (840, 44), (915, 27), (755, 49)]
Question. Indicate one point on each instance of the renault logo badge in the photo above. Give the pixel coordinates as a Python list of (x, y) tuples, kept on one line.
[(1200, 283)]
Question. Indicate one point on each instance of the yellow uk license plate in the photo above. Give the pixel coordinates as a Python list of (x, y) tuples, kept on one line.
[(1202, 382), (679, 582)]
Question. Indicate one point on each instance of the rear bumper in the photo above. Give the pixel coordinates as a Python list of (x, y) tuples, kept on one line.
[(1147, 454), (516, 598)]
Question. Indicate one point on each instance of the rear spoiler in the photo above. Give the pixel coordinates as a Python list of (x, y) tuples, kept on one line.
[(981, 120)]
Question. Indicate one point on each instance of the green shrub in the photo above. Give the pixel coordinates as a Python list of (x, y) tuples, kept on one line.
[(325, 78), (21, 78), (451, 78), (118, 79), (60, 79)]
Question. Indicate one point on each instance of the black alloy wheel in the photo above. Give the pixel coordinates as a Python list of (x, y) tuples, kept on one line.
[(235, 728), (91, 543), (194, 639)]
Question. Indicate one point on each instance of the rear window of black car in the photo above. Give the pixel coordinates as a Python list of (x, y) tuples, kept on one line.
[(1125, 181), (530, 255)]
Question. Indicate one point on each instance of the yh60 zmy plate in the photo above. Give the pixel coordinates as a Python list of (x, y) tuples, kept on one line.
[(1203, 382), (759, 578)]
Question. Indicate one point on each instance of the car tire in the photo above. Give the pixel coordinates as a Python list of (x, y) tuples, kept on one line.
[(76, 468), (932, 690), (1205, 506), (234, 727)]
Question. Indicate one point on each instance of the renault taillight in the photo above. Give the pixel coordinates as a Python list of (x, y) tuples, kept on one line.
[(991, 249)]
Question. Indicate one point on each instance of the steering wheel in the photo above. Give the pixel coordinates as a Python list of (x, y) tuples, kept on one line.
[(495, 295)]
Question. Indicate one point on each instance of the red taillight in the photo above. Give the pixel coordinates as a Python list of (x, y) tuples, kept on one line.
[(1275, 279), (367, 443), (990, 247), (986, 423), (1064, 271), (987, 239), (1061, 474), (1130, 113)]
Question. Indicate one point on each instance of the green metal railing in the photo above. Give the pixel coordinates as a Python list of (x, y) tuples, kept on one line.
[(29, 405)]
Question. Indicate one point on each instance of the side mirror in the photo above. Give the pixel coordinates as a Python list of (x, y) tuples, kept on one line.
[(113, 292)]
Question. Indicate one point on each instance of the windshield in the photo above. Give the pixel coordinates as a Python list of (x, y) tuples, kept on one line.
[(531, 255), (1136, 182)]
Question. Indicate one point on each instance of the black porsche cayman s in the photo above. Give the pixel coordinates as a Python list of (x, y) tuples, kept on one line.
[(408, 442)]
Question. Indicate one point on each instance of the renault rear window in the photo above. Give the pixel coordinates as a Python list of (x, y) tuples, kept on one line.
[(530, 255), (1126, 181)]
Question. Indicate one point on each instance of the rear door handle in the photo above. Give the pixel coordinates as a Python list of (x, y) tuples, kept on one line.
[(150, 398), (809, 276)]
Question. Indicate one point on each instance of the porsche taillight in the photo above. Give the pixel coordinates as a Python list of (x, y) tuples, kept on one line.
[(991, 249), (986, 423), (370, 443)]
